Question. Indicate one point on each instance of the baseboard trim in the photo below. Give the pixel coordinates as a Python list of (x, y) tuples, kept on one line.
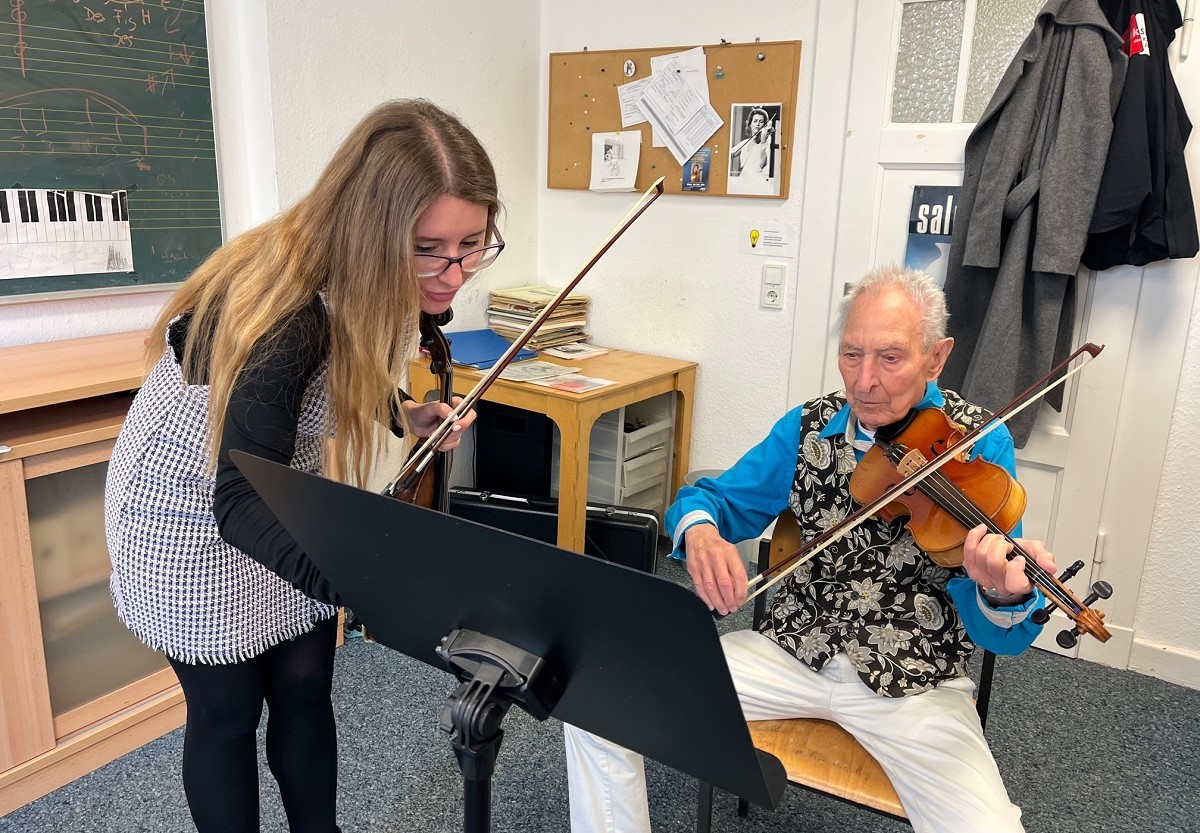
[(1165, 662)]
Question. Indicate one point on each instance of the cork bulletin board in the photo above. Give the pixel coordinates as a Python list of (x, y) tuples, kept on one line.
[(583, 100)]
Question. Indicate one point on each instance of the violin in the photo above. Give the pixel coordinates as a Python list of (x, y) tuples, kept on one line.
[(963, 494), (430, 486)]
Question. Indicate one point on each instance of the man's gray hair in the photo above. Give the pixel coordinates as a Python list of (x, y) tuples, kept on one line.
[(918, 286)]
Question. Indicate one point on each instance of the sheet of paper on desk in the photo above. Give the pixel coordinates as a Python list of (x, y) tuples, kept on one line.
[(573, 383), (534, 370), (575, 350)]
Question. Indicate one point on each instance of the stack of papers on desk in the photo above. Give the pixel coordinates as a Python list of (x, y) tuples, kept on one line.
[(511, 311), (481, 349)]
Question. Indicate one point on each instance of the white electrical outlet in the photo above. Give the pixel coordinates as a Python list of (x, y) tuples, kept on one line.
[(773, 277)]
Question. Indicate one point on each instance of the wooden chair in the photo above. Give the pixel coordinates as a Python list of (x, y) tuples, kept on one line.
[(820, 755)]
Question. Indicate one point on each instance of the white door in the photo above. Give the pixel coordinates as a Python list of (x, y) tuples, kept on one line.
[(901, 103)]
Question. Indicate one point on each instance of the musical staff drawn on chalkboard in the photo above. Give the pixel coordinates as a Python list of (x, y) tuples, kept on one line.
[(113, 96)]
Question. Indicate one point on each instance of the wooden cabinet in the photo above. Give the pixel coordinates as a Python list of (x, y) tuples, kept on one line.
[(76, 688)]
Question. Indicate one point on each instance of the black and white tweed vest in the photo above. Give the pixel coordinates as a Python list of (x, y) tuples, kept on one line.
[(177, 585), (872, 595)]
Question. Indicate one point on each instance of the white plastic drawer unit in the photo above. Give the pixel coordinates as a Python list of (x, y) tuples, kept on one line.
[(605, 443), (643, 471), (629, 456), (644, 439)]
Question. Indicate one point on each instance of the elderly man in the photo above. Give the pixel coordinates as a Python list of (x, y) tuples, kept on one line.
[(875, 636)]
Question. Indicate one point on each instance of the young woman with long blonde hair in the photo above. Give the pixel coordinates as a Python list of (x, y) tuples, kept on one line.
[(287, 343)]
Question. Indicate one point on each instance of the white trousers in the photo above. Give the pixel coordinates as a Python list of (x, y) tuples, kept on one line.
[(931, 744)]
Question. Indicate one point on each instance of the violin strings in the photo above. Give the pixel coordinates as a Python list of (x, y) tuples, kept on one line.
[(969, 515)]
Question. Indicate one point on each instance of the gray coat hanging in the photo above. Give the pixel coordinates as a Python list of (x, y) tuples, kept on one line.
[(1031, 173)]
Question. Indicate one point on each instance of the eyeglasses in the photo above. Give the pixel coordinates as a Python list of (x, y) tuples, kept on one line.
[(430, 266)]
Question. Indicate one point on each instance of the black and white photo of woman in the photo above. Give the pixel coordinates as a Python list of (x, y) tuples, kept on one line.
[(753, 164)]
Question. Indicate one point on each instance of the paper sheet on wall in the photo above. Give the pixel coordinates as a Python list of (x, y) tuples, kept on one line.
[(684, 120), (694, 68), (46, 233), (629, 95), (615, 159)]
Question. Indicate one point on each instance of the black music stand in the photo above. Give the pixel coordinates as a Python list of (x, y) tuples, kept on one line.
[(626, 655)]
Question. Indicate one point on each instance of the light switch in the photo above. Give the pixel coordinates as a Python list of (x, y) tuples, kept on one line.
[(773, 277)]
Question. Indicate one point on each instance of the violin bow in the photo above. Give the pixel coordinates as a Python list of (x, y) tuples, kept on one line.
[(852, 521), (424, 453)]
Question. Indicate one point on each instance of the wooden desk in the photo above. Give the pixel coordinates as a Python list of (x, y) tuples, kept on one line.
[(636, 376)]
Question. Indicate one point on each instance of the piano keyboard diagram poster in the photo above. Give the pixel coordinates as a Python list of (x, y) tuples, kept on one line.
[(930, 227), (108, 173)]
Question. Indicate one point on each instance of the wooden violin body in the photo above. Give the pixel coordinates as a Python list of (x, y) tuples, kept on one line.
[(938, 532), (428, 486)]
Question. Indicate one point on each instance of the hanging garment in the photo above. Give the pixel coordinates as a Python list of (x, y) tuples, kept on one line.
[(1144, 211), (1031, 172)]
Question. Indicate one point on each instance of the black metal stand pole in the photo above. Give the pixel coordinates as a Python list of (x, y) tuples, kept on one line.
[(495, 675)]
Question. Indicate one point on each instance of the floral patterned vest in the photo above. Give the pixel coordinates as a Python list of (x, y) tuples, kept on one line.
[(873, 595)]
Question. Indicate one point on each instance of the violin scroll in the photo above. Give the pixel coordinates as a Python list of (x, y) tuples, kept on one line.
[(1087, 620)]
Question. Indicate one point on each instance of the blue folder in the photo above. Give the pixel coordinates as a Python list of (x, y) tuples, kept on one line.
[(482, 348)]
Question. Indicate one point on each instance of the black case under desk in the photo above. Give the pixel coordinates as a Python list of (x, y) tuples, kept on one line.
[(622, 535)]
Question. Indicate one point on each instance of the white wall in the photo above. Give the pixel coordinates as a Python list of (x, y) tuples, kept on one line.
[(676, 284), (331, 62), (1168, 619)]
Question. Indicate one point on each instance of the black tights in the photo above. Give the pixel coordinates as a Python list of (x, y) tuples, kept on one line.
[(220, 747)]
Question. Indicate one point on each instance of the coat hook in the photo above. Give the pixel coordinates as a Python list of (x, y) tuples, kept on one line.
[(1189, 20)]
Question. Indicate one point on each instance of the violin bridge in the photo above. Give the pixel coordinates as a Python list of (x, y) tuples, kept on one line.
[(911, 462)]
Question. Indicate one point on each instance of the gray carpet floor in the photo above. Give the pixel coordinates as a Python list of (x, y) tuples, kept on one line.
[(1081, 747)]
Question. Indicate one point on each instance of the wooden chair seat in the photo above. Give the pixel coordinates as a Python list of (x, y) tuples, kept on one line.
[(821, 755)]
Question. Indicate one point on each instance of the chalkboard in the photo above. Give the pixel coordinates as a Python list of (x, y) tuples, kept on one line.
[(103, 97)]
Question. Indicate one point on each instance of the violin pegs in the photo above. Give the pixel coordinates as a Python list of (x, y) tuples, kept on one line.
[(1067, 639), (1040, 616), (1069, 573), (1100, 590)]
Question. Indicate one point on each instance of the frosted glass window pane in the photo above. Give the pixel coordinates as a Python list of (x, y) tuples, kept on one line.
[(927, 61), (88, 651), (1000, 27)]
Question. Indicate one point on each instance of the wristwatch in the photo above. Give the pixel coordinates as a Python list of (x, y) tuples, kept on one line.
[(997, 599)]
